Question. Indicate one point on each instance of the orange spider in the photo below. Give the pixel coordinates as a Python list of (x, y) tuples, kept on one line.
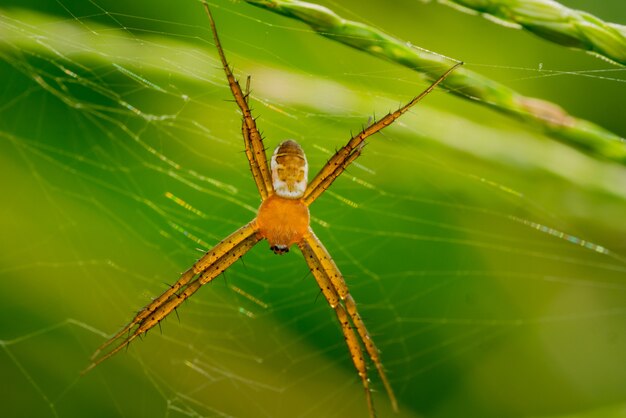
[(283, 220)]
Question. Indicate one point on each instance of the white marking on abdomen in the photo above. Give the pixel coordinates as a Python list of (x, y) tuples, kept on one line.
[(289, 170)]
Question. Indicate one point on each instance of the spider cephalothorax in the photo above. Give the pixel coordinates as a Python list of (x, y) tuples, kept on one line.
[(283, 222), (282, 219)]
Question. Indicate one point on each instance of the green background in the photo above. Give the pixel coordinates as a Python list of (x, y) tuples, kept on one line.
[(458, 231)]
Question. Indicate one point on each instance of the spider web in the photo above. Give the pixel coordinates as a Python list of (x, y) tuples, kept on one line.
[(487, 260)]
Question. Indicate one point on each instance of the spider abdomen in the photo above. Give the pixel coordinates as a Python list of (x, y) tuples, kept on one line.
[(289, 170), (283, 222)]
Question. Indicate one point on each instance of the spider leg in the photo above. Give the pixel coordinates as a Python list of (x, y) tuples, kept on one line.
[(349, 152), (335, 290), (255, 150), (254, 165), (214, 262)]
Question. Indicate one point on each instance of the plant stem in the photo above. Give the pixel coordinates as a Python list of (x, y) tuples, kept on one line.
[(556, 122), (553, 21)]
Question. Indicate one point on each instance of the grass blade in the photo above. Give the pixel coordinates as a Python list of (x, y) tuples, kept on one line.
[(556, 23), (555, 121)]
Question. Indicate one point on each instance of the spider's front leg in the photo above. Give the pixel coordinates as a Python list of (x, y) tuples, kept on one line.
[(211, 265), (335, 290)]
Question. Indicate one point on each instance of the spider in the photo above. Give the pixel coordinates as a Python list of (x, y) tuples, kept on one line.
[(282, 220)]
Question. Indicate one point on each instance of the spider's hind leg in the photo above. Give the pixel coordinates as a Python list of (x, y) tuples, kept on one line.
[(255, 150), (349, 152)]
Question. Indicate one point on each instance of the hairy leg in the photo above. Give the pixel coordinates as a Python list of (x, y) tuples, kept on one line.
[(326, 274), (349, 152), (255, 150), (211, 265)]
